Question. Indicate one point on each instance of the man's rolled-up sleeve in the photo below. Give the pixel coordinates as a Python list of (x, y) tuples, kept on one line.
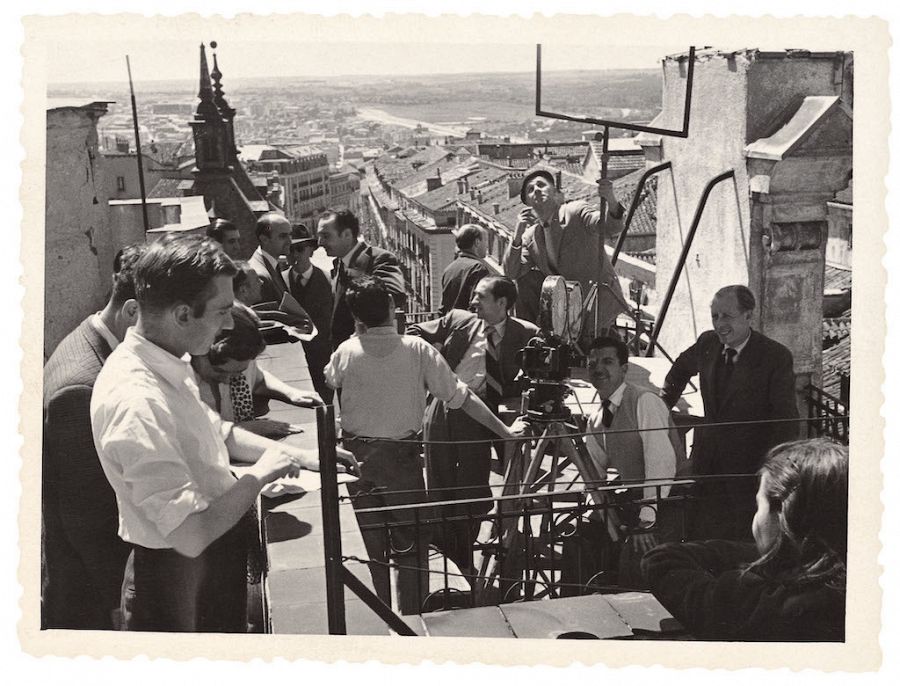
[(440, 380), (138, 443), (334, 370)]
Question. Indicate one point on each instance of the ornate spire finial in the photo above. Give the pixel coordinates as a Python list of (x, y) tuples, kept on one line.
[(216, 74), (207, 107)]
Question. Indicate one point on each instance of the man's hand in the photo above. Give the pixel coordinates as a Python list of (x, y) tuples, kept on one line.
[(304, 399), (643, 543), (526, 218), (275, 463), (347, 462), (520, 427), (605, 191)]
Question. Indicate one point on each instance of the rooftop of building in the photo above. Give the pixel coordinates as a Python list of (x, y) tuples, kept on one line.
[(165, 188)]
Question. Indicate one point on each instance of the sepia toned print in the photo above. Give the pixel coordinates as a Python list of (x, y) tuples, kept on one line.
[(635, 424)]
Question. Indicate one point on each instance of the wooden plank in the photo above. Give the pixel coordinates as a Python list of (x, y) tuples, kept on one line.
[(644, 613), (479, 622), (589, 615)]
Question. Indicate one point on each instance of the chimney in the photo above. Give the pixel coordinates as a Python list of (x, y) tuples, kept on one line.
[(471, 194), (496, 208), (480, 198), (460, 186)]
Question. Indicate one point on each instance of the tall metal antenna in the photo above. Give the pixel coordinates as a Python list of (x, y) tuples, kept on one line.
[(137, 145)]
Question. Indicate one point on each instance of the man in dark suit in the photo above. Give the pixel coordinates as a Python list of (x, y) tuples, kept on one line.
[(83, 558), (481, 348), (312, 289), (273, 231), (462, 274), (338, 233), (744, 376)]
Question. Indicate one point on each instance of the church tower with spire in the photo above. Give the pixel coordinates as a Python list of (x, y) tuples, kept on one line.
[(211, 144), (219, 177)]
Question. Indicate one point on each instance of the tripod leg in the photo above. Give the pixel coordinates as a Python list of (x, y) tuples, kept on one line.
[(529, 480), (577, 451)]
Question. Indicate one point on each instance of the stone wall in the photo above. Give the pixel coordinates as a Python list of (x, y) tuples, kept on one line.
[(78, 242)]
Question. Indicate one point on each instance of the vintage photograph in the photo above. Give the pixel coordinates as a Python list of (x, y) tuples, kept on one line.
[(384, 333)]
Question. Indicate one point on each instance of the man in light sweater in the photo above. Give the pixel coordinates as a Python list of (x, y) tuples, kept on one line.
[(382, 378)]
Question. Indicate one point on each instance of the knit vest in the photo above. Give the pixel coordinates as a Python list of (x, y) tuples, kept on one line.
[(626, 450)]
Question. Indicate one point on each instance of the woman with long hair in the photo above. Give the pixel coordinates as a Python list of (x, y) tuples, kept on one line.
[(790, 585)]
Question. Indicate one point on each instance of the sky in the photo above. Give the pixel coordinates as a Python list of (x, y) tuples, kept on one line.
[(86, 61)]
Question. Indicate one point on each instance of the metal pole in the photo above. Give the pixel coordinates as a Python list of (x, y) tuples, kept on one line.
[(676, 275), (137, 145), (632, 207), (331, 520), (601, 245)]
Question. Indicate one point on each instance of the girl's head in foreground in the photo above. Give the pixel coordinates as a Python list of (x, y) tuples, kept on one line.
[(800, 526)]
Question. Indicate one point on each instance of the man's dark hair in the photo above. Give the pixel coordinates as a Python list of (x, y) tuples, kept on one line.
[(123, 273), (467, 235), (369, 300), (264, 223), (343, 219), (611, 342), (179, 269), (744, 296), (501, 287), (217, 229), (242, 342)]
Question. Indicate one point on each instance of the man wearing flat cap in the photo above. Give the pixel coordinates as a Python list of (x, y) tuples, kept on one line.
[(312, 289), (565, 238)]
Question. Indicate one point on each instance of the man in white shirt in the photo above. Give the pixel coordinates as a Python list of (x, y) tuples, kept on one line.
[(273, 231), (166, 454), (382, 378), (642, 445)]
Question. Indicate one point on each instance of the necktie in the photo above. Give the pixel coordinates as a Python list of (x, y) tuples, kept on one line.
[(340, 274), (492, 374), (280, 278), (607, 417), (729, 363), (241, 398)]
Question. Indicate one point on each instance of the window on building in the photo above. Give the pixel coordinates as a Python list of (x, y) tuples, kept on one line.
[(120, 183)]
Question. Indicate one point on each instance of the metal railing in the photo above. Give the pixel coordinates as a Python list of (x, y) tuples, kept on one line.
[(545, 536), (827, 415)]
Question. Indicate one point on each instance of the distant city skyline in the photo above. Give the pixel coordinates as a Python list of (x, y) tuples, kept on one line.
[(76, 61)]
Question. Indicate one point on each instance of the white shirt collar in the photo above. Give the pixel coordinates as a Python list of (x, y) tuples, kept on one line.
[(616, 398), (103, 330), (737, 348), (499, 328), (175, 370), (308, 273), (273, 261)]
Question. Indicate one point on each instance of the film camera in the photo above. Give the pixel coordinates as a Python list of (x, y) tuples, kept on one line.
[(547, 359)]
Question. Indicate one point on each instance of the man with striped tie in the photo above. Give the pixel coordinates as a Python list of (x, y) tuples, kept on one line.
[(480, 346)]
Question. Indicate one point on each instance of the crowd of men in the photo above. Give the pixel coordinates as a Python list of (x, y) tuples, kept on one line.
[(148, 402)]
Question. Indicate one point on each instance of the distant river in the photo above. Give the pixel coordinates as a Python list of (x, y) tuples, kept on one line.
[(372, 114)]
